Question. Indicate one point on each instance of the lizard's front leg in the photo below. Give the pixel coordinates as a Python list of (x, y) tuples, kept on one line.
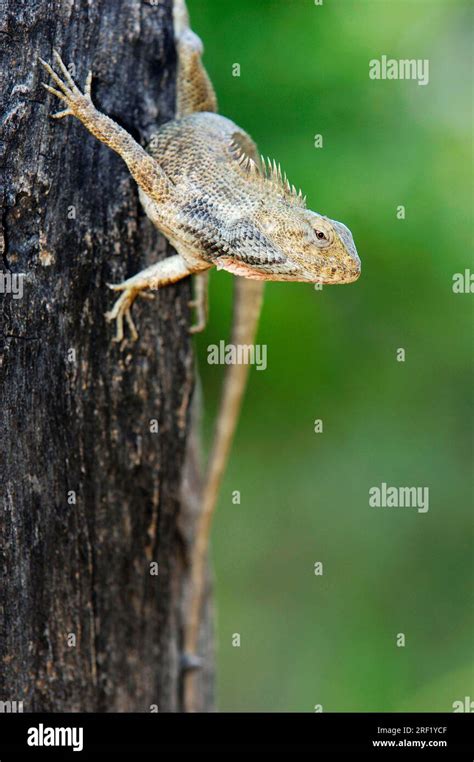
[(143, 167), (169, 270)]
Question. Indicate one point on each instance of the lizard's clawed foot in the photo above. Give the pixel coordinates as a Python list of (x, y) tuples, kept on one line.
[(68, 90), (123, 309)]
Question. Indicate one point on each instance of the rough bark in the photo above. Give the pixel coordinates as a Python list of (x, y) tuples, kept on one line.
[(92, 495)]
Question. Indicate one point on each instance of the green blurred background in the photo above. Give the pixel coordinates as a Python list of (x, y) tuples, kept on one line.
[(331, 639)]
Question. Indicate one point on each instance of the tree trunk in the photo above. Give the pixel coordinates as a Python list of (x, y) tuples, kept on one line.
[(95, 441)]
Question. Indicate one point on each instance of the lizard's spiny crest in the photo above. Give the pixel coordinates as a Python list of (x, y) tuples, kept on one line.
[(270, 175)]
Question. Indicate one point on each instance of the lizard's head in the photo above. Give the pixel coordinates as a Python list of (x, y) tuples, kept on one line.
[(281, 239), (278, 238), (317, 249), (291, 244), (314, 248)]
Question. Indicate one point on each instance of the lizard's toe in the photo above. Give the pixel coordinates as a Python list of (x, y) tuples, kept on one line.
[(120, 310)]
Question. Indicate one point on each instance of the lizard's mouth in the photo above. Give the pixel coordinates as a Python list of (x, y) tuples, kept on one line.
[(351, 268), (353, 274), (343, 273)]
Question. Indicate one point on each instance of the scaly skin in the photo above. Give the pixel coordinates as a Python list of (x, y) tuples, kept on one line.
[(204, 186)]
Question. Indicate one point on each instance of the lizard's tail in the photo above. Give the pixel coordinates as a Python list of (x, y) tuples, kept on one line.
[(247, 304)]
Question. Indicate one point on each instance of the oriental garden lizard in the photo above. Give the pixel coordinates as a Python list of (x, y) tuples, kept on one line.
[(204, 185)]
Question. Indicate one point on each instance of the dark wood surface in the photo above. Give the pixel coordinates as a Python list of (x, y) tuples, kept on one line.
[(91, 494)]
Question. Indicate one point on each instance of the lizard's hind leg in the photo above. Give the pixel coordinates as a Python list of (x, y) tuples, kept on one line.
[(194, 88)]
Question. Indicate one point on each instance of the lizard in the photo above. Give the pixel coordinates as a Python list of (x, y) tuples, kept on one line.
[(220, 204)]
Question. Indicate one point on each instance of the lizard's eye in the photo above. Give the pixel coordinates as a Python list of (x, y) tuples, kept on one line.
[(323, 237)]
